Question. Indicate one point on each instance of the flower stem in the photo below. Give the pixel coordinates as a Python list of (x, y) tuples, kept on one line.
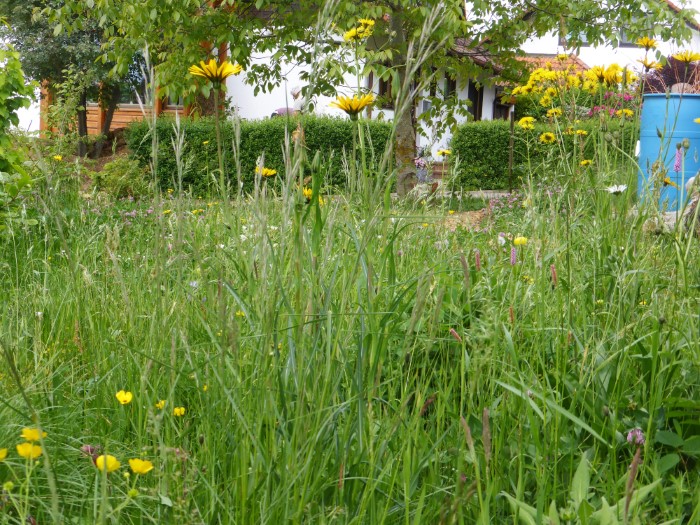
[(222, 184)]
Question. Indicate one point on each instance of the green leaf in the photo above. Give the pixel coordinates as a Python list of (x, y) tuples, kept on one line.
[(667, 462), (671, 439), (57, 29), (581, 482), (692, 446), (165, 500)]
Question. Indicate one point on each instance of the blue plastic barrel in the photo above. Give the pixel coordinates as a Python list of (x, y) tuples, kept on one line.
[(673, 116)]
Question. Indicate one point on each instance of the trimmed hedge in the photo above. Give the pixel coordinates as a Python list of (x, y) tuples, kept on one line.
[(483, 149), (331, 136)]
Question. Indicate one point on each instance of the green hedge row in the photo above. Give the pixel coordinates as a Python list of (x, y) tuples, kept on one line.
[(330, 136), (483, 149)]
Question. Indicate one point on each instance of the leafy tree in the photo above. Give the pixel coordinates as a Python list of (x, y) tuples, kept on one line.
[(50, 54), (411, 40)]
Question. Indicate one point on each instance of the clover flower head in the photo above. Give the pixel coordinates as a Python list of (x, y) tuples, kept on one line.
[(636, 437)]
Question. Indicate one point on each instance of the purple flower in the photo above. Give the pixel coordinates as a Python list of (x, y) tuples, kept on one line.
[(477, 260), (635, 437), (677, 163), (513, 256)]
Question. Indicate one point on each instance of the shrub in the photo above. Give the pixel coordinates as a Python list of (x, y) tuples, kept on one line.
[(122, 177), (483, 148), (330, 136)]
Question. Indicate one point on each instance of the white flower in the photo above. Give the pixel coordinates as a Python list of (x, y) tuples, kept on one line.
[(616, 190), (501, 240)]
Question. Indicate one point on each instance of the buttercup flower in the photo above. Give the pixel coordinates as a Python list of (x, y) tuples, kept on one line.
[(687, 56), (527, 123), (585, 162), (29, 450), (3, 454), (265, 172), (107, 463), (547, 138), (124, 397), (217, 73), (179, 411), (32, 434), (520, 241), (140, 466), (646, 42), (160, 405), (352, 106)]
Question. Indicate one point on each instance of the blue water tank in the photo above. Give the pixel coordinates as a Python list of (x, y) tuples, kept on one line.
[(673, 116)]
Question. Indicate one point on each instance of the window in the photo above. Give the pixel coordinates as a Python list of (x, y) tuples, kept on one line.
[(450, 87)]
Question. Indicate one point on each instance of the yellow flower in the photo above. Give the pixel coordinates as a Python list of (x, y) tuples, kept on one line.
[(29, 450), (585, 162), (265, 172), (668, 182), (217, 73), (59, 158), (308, 193), (179, 411), (599, 302), (451, 212), (554, 112), (165, 212), (444, 152), (107, 463), (624, 113), (547, 138), (646, 42), (687, 56), (140, 466), (562, 57), (32, 434), (520, 241), (124, 397), (364, 30), (546, 101), (205, 388), (696, 120), (132, 493), (612, 74), (366, 22), (642, 303), (160, 405), (8, 486), (581, 132), (527, 123), (352, 106), (649, 64), (240, 313), (197, 211), (205, 142), (3, 454)]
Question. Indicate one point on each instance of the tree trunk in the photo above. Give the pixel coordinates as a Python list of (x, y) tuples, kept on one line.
[(113, 99), (82, 125), (405, 139)]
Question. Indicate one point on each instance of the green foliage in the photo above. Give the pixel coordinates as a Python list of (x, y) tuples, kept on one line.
[(122, 177), (483, 148), (15, 93), (330, 136)]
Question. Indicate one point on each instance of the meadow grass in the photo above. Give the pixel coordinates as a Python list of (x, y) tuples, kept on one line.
[(349, 362)]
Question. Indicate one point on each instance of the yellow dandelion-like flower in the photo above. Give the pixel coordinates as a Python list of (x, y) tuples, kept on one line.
[(444, 152), (548, 138), (32, 434), (520, 241), (217, 73), (179, 411), (307, 193), (668, 182), (107, 463), (687, 56), (3, 454), (585, 162), (265, 172), (451, 212), (649, 64), (646, 42), (562, 57), (140, 466), (527, 123), (124, 397), (160, 405), (352, 106), (546, 101), (58, 158), (624, 113), (581, 132), (29, 450), (554, 112)]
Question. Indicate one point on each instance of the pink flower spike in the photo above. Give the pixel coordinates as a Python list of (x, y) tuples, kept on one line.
[(454, 334)]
